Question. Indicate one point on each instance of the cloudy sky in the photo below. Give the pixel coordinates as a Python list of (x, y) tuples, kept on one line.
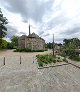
[(61, 17)]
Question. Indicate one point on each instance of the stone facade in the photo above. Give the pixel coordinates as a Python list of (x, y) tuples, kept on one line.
[(32, 41)]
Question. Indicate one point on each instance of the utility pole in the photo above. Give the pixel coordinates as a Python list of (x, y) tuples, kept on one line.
[(53, 44)]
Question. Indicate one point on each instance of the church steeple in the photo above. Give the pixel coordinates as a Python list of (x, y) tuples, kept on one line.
[(29, 29)]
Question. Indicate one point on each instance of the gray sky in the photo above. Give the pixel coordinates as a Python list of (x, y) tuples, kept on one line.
[(61, 17)]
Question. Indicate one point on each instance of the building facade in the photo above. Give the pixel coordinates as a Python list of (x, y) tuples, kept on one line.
[(32, 41)]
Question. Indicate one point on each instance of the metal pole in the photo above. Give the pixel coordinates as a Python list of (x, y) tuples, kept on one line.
[(53, 44)]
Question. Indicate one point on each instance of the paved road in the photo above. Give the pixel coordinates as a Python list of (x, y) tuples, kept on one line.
[(28, 78)]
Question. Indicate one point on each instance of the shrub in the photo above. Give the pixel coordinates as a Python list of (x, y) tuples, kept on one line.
[(76, 58), (72, 54), (27, 50), (54, 60), (46, 59), (65, 60), (40, 63), (58, 57)]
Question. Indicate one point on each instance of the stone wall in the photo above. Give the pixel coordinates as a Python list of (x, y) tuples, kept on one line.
[(21, 43), (35, 43), (32, 43)]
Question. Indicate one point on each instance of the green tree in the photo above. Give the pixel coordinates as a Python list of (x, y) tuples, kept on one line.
[(3, 29), (50, 45), (4, 44), (73, 43), (14, 41), (10, 45), (70, 46)]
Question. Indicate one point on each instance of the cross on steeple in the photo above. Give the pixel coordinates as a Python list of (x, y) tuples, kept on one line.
[(29, 29)]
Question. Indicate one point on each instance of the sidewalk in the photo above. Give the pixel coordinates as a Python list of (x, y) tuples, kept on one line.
[(77, 63)]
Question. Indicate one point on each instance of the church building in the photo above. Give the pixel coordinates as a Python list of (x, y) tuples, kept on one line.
[(32, 41)]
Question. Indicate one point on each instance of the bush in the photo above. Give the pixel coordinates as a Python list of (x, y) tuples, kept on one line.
[(40, 63), (72, 54), (46, 59), (22, 50), (65, 60), (54, 60), (58, 57), (76, 58), (27, 50)]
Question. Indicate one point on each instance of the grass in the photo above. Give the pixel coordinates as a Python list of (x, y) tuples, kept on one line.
[(47, 59)]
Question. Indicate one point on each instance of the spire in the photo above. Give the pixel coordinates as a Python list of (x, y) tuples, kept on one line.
[(29, 29)]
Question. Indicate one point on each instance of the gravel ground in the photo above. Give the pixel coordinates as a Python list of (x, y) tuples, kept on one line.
[(28, 78)]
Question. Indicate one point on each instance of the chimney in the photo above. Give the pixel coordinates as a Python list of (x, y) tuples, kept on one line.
[(29, 29)]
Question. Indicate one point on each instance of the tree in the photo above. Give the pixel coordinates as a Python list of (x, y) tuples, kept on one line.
[(14, 41), (73, 43), (4, 44), (3, 29), (10, 45), (50, 45)]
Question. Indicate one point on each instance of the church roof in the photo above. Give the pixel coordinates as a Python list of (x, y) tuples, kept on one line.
[(23, 37), (33, 35)]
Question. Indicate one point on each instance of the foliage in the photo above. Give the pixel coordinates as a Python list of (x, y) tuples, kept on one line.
[(49, 45), (3, 29), (73, 43), (14, 40), (45, 59), (76, 58), (27, 50), (72, 54), (4, 44), (40, 63), (70, 46), (22, 50), (65, 60), (10, 45)]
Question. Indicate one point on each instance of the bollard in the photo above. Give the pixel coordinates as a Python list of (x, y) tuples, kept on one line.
[(33, 59), (4, 61), (20, 59)]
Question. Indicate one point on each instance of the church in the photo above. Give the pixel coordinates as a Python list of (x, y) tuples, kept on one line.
[(32, 41)]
